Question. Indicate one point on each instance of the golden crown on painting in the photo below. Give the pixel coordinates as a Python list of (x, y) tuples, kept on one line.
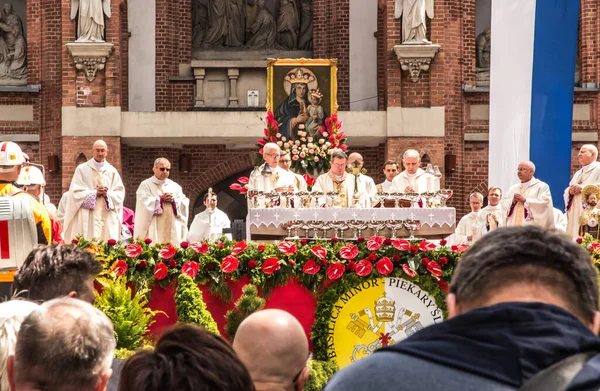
[(385, 309), (299, 77)]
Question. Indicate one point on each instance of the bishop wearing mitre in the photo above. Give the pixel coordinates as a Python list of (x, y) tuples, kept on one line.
[(94, 205), (161, 210), (588, 174)]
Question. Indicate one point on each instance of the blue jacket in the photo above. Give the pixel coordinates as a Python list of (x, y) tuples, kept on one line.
[(493, 348)]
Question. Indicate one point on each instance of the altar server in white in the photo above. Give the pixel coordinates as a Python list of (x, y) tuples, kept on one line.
[(413, 178), (390, 170), (161, 209), (285, 162), (269, 176), (336, 180), (366, 185), (492, 214), (209, 224), (472, 226), (95, 201), (529, 202), (588, 174)]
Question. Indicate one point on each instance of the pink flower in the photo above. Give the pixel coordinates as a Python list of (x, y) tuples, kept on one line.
[(374, 243), (311, 267), (190, 268), (335, 271), (160, 271), (435, 269), (270, 266), (167, 252), (287, 248), (230, 264), (426, 246), (349, 252), (384, 266), (243, 179), (401, 244), (409, 272), (119, 267), (319, 252), (238, 248), (199, 248), (460, 248), (133, 250), (364, 268)]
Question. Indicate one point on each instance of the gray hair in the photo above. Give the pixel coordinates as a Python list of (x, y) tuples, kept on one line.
[(161, 159), (12, 314), (527, 256), (411, 153), (476, 195), (592, 148), (270, 146), (65, 344)]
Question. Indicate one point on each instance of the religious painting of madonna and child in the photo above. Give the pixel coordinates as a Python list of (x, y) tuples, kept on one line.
[(301, 94)]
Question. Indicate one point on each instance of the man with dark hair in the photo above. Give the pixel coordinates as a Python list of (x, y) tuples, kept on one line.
[(186, 358), (65, 344), (54, 271), (209, 224), (390, 170), (337, 180), (521, 300)]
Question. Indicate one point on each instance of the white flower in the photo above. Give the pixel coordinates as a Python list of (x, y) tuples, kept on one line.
[(328, 144), (325, 134), (279, 143), (310, 139), (286, 145), (297, 142), (310, 145), (321, 141), (316, 159), (278, 135), (303, 139)]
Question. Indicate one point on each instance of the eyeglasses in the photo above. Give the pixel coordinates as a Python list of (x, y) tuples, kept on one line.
[(163, 169), (295, 379), (285, 161), (273, 155)]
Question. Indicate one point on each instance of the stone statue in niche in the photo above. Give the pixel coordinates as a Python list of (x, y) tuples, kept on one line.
[(13, 48), (199, 22), (90, 23), (288, 24), (226, 24), (413, 13), (305, 42), (483, 46), (263, 31)]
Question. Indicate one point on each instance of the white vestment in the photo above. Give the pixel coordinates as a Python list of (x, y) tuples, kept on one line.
[(278, 178), (492, 210), (418, 181), (159, 220), (300, 182), (50, 207), (560, 220), (471, 224), (386, 187), (62, 204), (343, 186), (537, 210), (201, 230), (588, 175), (88, 214)]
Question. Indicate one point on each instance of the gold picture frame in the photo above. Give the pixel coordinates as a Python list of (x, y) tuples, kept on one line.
[(285, 77)]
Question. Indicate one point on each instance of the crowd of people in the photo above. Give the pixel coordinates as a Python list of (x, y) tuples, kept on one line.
[(522, 312), (529, 202)]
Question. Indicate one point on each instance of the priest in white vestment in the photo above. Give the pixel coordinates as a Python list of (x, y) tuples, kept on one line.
[(413, 178), (365, 184), (472, 226), (269, 176), (285, 162), (492, 214), (529, 202), (390, 170), (209, 224), (95, 201), (588, 174), (336, 180), (161, 209)]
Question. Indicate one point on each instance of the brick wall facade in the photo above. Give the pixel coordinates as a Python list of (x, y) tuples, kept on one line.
[(49, 29)]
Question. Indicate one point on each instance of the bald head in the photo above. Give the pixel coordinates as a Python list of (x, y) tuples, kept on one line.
[(355, 157), (588, 153), (279, 340), (100, 150)]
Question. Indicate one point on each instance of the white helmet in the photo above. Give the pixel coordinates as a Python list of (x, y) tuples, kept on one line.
[(11, 156), (31, 175)]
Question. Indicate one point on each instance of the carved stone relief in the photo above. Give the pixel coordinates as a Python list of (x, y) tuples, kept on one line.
[(13, 47), (252, 24), (483, 46)]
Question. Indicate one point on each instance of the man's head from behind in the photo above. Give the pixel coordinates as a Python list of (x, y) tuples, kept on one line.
[(186, 358), (65, 344), (58, 270), (279, 340), (526, 264)]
